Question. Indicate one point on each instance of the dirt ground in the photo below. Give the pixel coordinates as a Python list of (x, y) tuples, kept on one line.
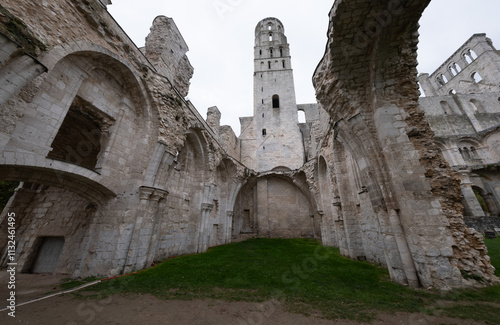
[(146, 309)]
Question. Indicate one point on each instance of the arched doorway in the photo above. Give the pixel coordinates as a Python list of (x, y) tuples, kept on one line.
[(274, 206)]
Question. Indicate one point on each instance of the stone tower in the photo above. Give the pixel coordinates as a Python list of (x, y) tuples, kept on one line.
[(277, 135)]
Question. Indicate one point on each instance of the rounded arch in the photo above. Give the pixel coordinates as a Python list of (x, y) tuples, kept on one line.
[(96, 56), (84, 81), (275, 205), (469, 149), (79, 180), (484, 199)]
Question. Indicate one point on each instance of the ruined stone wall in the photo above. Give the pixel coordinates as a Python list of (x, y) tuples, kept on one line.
[(463, 111), (367, 83), (273, 205), (147, 163)]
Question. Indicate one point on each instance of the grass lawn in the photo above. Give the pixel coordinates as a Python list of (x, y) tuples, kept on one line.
[(304, 276)]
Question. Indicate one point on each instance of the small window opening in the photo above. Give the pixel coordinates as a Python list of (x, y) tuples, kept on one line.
[(276, 101), (457, 67), (476, 77), (270, 26), (453, 71), (264, 132), (467, 58), (271, 52), (446, 107), (79, 138), (443, 77), (283, 62), (281, 51), (269, 64), (452, 92), (302, 116), (440, 81), (270, 37), (262, 114), (260, 52)]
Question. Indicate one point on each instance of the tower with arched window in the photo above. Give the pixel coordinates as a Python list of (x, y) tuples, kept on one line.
[(273, 137)]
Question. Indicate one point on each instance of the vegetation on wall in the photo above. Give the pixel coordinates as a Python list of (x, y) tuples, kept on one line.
[(6, 191)]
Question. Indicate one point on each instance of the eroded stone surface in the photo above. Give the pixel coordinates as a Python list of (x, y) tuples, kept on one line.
[(113, 159)]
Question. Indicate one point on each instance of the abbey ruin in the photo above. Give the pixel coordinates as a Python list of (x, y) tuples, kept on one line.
[(117, 169)]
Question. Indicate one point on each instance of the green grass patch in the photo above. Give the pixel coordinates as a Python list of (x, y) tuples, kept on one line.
[(494, 253), (67, 284), (302, 275)]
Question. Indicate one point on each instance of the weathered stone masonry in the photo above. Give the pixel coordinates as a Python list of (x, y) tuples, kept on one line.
[(367, 83), (117, 169), (138, 172)]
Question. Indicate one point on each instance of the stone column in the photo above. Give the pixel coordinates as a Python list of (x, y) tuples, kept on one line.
[(206, 208), (229, 226), (262, 209), (147, 217), (158, 197)]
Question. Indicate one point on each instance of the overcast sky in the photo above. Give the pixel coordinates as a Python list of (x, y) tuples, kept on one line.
[(220, 36)]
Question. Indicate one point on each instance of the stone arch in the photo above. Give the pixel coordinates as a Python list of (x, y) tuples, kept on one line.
[(64, 92), (188, 175), (369, 73), (447, 153), (84, 85), (484, 198), (470, 149), (274, 205)]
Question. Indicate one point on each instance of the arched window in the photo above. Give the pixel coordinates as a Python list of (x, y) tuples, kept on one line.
[(476, 77), (276, 101), (440, 81), (452, 92), (281, 51), (270, 37), (443, 77), (476, 106), (452, 70), (271, 51), (283, 62), (469, 56), (457, 67), (264, 132), (302, 117), (446, 108), (269, 64), (270, 26)]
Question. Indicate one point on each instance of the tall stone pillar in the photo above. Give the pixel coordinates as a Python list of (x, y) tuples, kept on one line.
[(206, 209)]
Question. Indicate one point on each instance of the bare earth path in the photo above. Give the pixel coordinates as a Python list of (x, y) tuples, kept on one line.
[(147, 309)]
